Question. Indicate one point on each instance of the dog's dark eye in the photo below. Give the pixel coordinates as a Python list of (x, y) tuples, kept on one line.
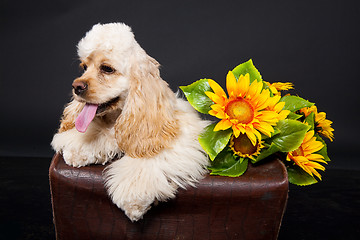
[(83, 66), (106, 69)]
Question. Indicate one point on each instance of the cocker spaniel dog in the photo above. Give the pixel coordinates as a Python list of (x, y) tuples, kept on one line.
[(123, 112)]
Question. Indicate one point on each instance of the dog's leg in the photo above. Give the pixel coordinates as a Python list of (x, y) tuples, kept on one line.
[(135, 183), (81, 149)]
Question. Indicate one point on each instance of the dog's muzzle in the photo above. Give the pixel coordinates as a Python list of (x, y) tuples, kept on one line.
[(79, 87)]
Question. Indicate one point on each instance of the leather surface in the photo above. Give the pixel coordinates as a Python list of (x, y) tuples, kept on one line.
[(248, 207)]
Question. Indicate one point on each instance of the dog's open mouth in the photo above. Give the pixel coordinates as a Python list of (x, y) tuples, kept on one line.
[(89, 111), (102, 107)]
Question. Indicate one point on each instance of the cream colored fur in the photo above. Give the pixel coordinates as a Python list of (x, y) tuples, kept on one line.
[(147, 132)]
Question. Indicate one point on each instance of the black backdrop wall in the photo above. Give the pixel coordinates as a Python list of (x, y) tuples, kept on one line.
[(314, 44)]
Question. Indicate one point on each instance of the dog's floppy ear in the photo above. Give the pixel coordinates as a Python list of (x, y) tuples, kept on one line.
[(70, 113), (147, 123)]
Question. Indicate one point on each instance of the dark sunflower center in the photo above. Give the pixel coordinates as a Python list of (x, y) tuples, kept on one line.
[(241, 110), (243, 145)]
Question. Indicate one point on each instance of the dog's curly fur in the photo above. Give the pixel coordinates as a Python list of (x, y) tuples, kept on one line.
[(150, 132)]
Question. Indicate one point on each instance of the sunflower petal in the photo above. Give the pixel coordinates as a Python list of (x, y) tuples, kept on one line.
[(321, 116), (251, 136), (308, 136), (265, 128), (243, 84), (269, 117), (216, 88), (254, 89), (301, 161), (315, 165), (317, 174), (315, 146), (283, 114), (236, 131), (238, 128), (231, 84), (215, 98), (316, 157), (257, 134), (280, 86), (262, 100), (216, 107), (222, 125), (212, 112), (279, 106), (221, 115)]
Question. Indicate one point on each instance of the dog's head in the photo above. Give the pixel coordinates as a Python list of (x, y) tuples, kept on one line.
[(118, 74), (105, 53)]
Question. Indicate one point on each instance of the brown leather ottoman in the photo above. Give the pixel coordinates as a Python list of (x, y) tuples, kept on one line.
[(248, 207)]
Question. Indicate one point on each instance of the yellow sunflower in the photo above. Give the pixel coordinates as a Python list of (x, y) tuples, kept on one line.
[(243, 147), (276, 106), (279, 86), (322, 125), (305, 156), (245, 111)]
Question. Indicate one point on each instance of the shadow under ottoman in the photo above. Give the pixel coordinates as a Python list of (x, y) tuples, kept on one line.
[(248, 207)]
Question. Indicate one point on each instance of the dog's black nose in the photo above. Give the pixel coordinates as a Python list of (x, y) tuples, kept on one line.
[(79, 87)]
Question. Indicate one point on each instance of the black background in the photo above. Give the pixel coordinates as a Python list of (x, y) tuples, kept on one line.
[(314, 44)]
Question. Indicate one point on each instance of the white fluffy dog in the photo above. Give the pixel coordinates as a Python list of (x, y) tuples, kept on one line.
[(122, 110)]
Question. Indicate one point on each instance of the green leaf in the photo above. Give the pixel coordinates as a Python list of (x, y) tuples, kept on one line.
[(294, 103), (266, 152), (237, 169), (294, 116), (310, 119), (224, 160), (195, 94), (299, 177), (247, 67), (276, 131), (291, 135), (322, 151), (265, 137), (214, 142)]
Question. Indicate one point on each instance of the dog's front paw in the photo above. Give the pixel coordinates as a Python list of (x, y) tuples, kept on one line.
[(76, 159), (126, 197), (135, 210), (135, 183)]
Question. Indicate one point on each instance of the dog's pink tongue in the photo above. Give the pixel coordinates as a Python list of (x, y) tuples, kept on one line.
[(84, 119)]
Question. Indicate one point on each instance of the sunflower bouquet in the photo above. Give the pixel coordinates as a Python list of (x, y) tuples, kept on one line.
[(256, 121)]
